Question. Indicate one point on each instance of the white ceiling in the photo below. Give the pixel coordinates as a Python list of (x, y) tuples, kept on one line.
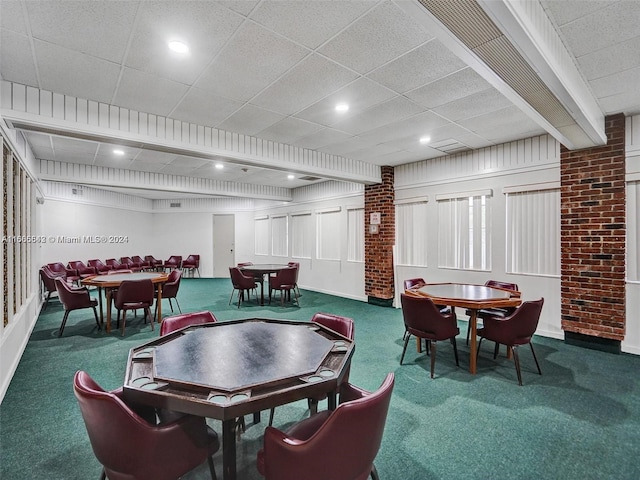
[(275, 69)]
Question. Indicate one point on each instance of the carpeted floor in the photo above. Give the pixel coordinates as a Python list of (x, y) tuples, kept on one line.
[(579, 420)]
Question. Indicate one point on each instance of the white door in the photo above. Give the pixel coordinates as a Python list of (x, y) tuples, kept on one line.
[(223, 245)]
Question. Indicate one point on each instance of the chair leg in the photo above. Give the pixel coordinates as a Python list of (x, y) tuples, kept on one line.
[(95, 314), (478, 350), (46, 302), (406, 341), (271, 415), (433, 356), (468, 331), (103, 475), (313, 405), (212, 468), (231, 297), (516, 360), (455, 350), (147, 312), (374, 473), (179, 309), (496, 350), (64, 322), (124, 320), (171, 305), (535, 358)]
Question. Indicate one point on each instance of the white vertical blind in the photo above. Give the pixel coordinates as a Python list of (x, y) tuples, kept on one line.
[(279, 236), (464, 233), (262, 236), (328, 243), (411, 233), (533, 232), (301, 235), (633, 231), (355, 234)]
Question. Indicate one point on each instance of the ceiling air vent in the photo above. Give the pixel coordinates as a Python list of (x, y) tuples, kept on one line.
[(175, 205), (449, 146), (309, 178)]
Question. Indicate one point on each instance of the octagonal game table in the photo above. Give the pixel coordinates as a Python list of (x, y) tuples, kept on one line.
[(226, 370), (111, 282), (471, 297)]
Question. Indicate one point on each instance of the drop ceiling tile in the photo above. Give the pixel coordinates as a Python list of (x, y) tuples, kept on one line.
[(250, 62), (146, 166), (321, 138), (99, 29), (504, 124), (617, 84), (367, 153), (390, 111), (402, 157), (608, 61), (204, 26), (154, 157), (366, 44), (603, 28), (452, 87), (424, 64), (472, 105), (38, 139), (176, 170), (147, 93), (359, 95), (17, 60), (566, 11), (343, 147), (249, 120), (204, 108), (189, 162), (309, 23), (72, 144), (288, 130), (309, 81), (92, 78), (413, 127), (243, 7)]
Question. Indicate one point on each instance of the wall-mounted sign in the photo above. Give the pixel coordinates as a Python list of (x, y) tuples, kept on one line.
[(374, 218), (373, 228)]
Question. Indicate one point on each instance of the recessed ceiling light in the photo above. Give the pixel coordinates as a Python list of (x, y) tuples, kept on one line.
[(425, 140), (342, 107), (118, 152), (219, 166), (290, 177), (178, 47)]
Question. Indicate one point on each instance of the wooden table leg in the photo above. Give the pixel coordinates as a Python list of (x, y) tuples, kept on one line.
[(228, 449), (159, 300), (332, 400), (473, 320), (418, 345), (107, 294), (100, 304)]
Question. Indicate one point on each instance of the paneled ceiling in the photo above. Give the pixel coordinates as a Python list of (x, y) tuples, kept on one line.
[(276, 69)]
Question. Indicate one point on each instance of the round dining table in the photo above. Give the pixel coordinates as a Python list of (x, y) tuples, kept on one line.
[(260, 270), (111, 282)]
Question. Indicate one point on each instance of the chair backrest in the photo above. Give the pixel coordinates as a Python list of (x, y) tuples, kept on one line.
[(240, 280), (342, 325), (133, 291), (171, 286), (284, 278), (503, 285), (422, 315), (152, 260), (115, 264), (344, 447), (245, 264), (174, 261), (72, 298), (522, 324), (98, 265), (58, 269), (192, 261), (48, 279), (295, 265), (413, 282), (175, 322)]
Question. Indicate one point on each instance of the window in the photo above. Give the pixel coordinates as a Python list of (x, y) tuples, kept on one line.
[(533, 232), (328, 232), (411, 233), (464, 236), (355, 235), (279, 236), (262, 235), (633, 231), (301, 235)]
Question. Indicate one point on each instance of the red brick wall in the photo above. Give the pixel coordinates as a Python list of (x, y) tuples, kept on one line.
[(378, 255), (593, 239)]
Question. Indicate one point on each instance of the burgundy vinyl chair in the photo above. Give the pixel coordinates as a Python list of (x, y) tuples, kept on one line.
[(241, 283), (297, 267), (140, 262), (115, 264), (131, 446), (192, 263), (342, 325), (500, 312), (419, 282), (423, 319), (337, 445), (173, 262), (130, 264), (83, 270), (170, 289), (176, 322), (48, 282), (74, 299), (59, 270), (134, 295), (100, 267), (515, 330), (284, 281), (153, 262), (258, 277)]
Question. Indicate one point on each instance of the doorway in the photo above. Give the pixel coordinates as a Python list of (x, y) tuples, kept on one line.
[(223, 245)]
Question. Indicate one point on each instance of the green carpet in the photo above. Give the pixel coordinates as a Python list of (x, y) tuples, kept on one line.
[(579, 420)]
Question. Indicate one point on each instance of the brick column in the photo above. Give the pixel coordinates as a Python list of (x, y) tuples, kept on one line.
[(593, 229), (378, 255)]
